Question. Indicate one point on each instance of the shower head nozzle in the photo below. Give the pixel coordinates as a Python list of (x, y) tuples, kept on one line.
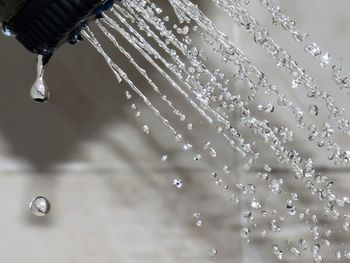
[(43, 25)]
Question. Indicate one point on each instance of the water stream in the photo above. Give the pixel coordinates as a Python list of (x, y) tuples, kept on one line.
[(169, 47)]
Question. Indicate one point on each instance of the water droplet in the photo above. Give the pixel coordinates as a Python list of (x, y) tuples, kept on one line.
[(295, 251), (187, 146), (313, 109), (212, 153), (177, 183), (296, 83), (197, 157), (40, 206), (313, 49), (245, 232), (325, 59), (338, 255), (189, 126), (274, 226), (294, 196), (128, 95), (277, 252), (145, 129), (291, 208), (303, 243), (267, 168), (226, 170), (266, 108), (206, 145), (255, 204), (39, 91), (178, 137), (213, 252)]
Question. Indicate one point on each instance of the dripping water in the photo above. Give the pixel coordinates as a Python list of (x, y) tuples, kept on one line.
[(39, 91)]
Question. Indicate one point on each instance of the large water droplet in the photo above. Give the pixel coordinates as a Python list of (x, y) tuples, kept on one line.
[(213, 252), (39, 91), (40, 206)]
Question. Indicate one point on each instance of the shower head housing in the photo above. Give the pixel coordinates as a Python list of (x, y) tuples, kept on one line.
[(43, 25)]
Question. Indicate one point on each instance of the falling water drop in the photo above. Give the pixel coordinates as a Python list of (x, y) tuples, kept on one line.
[(303, 243), (296, 83), (39, 92), (338, 255), (199, 223), (212, 152), (145, 129), (255, 204), (128, 95), (276, 250), (187, 146), (295, 251), (40, 206), (313, 110), (245, 232), (325, 59), (177, 183), (197, 157), (213, 252), (313, 49)]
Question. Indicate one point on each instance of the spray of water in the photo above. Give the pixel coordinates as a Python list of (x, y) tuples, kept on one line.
[(171, 51)]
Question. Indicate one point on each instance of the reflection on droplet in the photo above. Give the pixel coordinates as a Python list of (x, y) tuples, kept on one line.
[(40, 206), (295, 251), (325, 59), (313, 110), (245, 232), (313, 49), (39, 92), (164, 158), (145, 129), (213, 252), (177, 183), (199, 223)]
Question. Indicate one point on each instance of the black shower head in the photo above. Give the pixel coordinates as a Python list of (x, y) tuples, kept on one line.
[(43, 25)]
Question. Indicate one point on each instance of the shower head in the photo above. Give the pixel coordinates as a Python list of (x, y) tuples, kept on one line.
[(43, 25)]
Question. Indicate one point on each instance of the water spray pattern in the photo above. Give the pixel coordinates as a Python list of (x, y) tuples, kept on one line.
[(171, 51)]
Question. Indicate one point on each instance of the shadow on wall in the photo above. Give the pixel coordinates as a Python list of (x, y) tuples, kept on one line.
[(84, 97)]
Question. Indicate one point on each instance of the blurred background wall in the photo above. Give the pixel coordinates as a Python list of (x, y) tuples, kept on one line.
[(112, 199)]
